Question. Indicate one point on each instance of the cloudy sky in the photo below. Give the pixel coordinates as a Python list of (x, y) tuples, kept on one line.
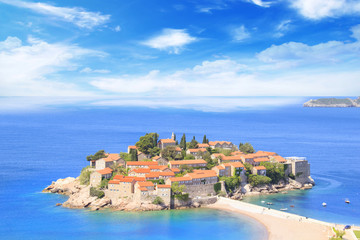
[(177, 53)]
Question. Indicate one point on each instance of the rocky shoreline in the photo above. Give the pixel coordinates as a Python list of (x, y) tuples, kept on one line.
[(333, 102), (79, 196)]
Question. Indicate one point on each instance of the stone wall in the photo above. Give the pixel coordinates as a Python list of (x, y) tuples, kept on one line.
[(200, 190)]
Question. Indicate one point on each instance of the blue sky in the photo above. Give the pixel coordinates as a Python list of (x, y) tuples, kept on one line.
[(177, 53)]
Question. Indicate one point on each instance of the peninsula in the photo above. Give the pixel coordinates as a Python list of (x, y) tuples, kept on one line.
[(333, 102), (159, 174)]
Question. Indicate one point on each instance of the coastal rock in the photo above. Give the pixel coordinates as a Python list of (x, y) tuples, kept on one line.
[(65, 186), (196, 204), (101, 202), (58, 204)]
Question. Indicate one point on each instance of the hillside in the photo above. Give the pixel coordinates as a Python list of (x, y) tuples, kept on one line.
[(333, 102)]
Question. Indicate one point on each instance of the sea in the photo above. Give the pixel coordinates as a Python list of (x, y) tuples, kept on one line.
[(38, 147)]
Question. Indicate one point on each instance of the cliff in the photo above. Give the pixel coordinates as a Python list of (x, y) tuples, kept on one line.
[(333, 102), (79, 197)]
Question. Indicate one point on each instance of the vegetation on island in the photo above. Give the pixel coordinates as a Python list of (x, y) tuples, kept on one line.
[(183, 142), (275, 171), (147, 144), (178, 190), (205, 140), (231, 183), (84, 177), (257, 180), (99, 154), (96, 193), (246, 148), (158, 201)]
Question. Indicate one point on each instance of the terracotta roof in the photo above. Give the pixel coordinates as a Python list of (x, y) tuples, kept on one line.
[(160, 167), (232, 158), (178, 149), (141, 163), (145, 184), (248, 156), (141, 170), (203, 145), (197, 150), (260, 168), (175, 170), (137, 179), (262, 159), (112, 157), (166, 173), (212, 143), (237, 165), (105, 171), (114, 182), (259, 154), (202, 174), (127, 180), (178, 179), (117, 177), (167, 140), (280, 159), (156, 157), (143, 189), (152, 175), (219, 167), (185, 162), (267, 153), (163, 186), (132, 147), (218, 155)]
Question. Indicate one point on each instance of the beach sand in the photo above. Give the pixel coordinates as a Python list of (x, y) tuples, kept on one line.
[(280, 225)]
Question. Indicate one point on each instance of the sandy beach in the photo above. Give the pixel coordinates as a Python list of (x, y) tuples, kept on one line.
[(280, 225)]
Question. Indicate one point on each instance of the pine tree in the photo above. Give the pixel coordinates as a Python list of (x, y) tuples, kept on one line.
[(183, 142), (133, 153), (205, 139)]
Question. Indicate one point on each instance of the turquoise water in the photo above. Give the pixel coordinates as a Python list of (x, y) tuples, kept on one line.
[(40, 147)]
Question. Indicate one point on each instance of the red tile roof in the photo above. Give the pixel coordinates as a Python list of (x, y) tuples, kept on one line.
[(117, 177), (260, 168), (166, 173), (267, 153), (175, 170), (218, 155), (133, 147), (237, 165), (236, 153), (202, 174), (141, 163), (141, 170), (145, 184), (279, 159), (203, 145), (152, 175), (213, 143), (178, 179), (186, 162), (232, 158), (143, 189), (178, 149), (105, 171), (114, 182), (163, 186), (112, 157), (127, 180), (193, 150), (156, 157)]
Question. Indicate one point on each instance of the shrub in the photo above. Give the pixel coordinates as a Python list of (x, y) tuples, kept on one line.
[(158, 201), (96, 193), (275, 171), (104, 183), (292, 176), (182, 197), (159, 181), (231, 183), (256, 180), (217, 187), (222, 194), (85, 176)]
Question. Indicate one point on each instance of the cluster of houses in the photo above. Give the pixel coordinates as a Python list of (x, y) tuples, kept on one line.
[(145, 176)]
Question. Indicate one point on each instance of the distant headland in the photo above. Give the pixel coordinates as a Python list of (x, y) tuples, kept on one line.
[(333, 102)]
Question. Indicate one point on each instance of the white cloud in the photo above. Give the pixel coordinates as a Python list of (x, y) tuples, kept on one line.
[(318, 9), (78, 16), (117, 28), (171, 40), (239, 34), (260, 3), (24, 69), (89, 70)]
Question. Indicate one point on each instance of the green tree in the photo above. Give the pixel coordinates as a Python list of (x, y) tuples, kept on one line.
[(189, 157), (158, 201), (205, 140), (147, 142), (249, 168), (246, 148), (99, 154), (231, 183), (183, 142), (275, 171), (169, 152), (125, 156), (176, 188), (133, 155), (193, 143), (96, 193), (256, 180)]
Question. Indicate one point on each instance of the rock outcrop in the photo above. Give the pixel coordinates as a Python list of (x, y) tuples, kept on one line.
[(79, 197)]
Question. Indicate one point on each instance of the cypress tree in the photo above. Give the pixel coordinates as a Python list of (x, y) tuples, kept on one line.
[(204, 139), (183, 142), (133, 153)]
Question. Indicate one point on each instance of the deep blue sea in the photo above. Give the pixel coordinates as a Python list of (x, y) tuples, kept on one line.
[(39, 147)]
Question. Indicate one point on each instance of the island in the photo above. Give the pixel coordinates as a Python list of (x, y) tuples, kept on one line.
[(333, 102), (161, 174)]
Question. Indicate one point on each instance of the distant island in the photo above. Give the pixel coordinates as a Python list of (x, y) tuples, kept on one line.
[(333, 102), (165, 174)]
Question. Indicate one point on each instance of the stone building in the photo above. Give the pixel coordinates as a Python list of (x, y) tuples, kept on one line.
[(300, 168), (222, 144), (196, 152), (98, 175), (163, 143), (140, 164), (189, 163), (108, 161), (259, 170)]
